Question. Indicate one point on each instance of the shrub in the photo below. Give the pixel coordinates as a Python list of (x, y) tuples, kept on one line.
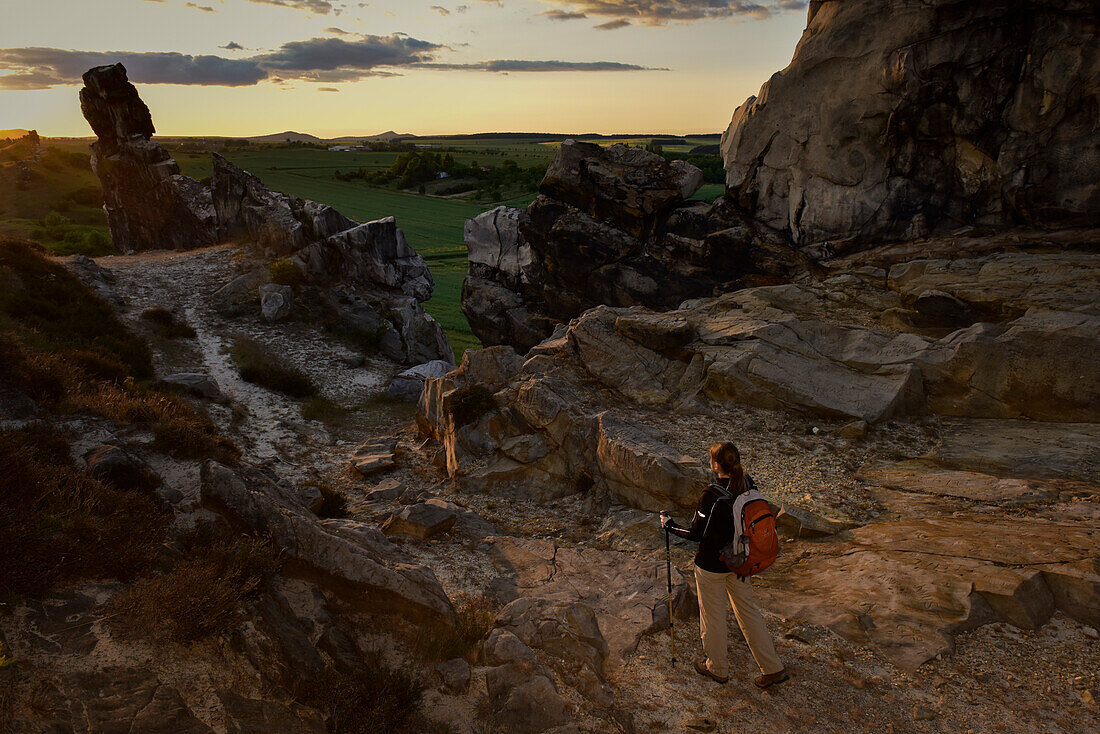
[(61, 313), (58, 525), (285, 272), (374, 699), (164, 322), (259, 367), (475, 615), (468, 404), (202, 596), (323, 410)]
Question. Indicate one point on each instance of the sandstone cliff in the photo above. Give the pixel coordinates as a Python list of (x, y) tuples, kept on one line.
[(898, 117)]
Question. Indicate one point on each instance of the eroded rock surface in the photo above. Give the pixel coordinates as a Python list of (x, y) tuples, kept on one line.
[(895, 118)]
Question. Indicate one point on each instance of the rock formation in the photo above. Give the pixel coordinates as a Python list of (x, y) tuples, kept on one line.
[(367, 278), (902, 117), (371, 282), (149, 205), (611, 226)]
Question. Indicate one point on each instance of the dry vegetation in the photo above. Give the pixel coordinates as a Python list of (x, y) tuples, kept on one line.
[(201, 596), (58, 525), (64, 349), (262, 368)]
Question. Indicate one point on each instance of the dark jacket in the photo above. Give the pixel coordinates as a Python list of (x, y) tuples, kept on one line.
[(718, 533)]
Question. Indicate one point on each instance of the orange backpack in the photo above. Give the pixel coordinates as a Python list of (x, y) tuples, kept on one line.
[(755, 544)]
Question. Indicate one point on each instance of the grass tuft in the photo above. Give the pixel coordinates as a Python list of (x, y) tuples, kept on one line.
[(260, 367), (475, 615), (202, 596), (164, 323), (375, 699), (285, 272)]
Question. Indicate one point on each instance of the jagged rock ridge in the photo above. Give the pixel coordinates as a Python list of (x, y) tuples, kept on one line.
[(611, 226)]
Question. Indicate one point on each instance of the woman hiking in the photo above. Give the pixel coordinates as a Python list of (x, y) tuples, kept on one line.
[(712, 528)]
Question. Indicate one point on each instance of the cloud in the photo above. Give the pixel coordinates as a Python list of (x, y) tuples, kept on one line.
[(327, 89), (39, 68), (315, 60), (659, 12), (337, 60), (514, 65), (439, 9), (563, 15), (612, 25), (203, 8), (232, 46), (338, 31), (321, 7)]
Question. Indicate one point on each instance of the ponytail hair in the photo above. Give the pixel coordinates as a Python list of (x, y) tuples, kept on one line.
[(728, 459)]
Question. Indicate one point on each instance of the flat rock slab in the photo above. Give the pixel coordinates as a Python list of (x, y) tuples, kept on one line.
[(374, 456), (628, 596), (975, 486), (905, 587), (421, 521), (1026, 449)]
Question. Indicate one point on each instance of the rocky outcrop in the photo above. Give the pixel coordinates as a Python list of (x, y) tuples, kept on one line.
[(897, 118), (611, 226), (149, 205), (366, 276), (554, 422), (353, 559)]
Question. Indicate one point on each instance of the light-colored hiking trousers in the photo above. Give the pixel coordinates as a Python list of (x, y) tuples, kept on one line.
[(713, 588)]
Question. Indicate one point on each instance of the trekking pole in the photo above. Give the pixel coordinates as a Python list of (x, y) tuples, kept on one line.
[(668, 574)]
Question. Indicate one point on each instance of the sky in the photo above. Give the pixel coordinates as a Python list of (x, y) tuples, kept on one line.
[(336, 67)]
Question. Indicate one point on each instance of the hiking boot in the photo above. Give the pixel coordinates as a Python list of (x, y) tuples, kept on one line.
[(771, 679), (702, 669)]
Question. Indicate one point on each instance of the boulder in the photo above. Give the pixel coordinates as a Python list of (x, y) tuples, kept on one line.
[(116, 467), (1021, 449), (407, 385), (353, 560), (248, 209), (1003, 285), (569, 634), (238, 296), (880, 127), (521, 690), (276, 301), (128, 699), (905, 587), (420, 521), (454, 676), (149, 204), (795, 522), (643, 471), (374, 456)]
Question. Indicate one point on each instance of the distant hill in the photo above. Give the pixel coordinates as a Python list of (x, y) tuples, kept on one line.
[(283, 137), (386, 137), (13, 134)]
